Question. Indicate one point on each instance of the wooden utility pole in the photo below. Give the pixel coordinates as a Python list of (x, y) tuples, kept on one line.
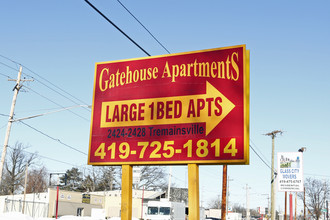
[(169, 184), (272, 178), (224, 193), (247, 203), (25, 183), (16, 89), (11, 115)]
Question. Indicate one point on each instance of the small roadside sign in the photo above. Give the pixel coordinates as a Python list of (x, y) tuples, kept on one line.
[(290, 172)]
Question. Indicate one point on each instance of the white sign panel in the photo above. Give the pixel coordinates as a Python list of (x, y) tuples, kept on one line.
[(262, 210), (290, 172)]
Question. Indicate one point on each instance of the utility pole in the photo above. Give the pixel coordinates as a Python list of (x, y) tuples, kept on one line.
[(201, 205), (228, 194), (304, 203), (16, 89), (169, 184), (267, 213), (25, 183), (272, 178), (224, 193), (247, 203)]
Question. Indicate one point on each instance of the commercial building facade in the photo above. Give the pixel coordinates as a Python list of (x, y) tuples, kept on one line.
[(108, 203)]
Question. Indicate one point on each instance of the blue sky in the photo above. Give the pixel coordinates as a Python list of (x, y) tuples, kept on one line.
[(61, 41)]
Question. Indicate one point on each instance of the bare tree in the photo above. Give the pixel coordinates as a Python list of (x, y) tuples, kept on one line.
[(16, 161), (317, 192), (178, 194), (215, 203), (152, 178), (89, 183), (239, 209), (91, 179), (37, 180), (110, 178)]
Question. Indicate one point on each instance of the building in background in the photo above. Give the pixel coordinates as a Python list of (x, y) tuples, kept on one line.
[(106, 203)]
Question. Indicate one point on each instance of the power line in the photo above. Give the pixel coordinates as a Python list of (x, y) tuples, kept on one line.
[(57, 87), (48, 158), (259, 151), (55, 160), (261, 158), (57, 140), (144, 27), (56, 103), (46, 113), (8, 65), (177, 178), (105, 17), (3, 126), (18, 64), (5, 75), (59, 92), (313, 174), (43, 109)]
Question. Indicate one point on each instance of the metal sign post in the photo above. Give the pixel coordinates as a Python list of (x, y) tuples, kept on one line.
[(57, 184), (193, 191), (126, 192)]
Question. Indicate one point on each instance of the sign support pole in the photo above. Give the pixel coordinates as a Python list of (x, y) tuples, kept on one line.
[(285, 205), (291, 211), (126, 192), (304, 203), (193, 191), (224, 193), (295, 208), (57, 192)]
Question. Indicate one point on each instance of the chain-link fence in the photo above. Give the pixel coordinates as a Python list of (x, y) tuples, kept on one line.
[(31, 208)]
